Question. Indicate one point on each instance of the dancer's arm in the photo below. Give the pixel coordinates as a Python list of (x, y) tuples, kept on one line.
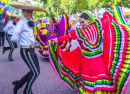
[(71, 35), (17, 30), (7, 27), (42, 28), (60, 39)]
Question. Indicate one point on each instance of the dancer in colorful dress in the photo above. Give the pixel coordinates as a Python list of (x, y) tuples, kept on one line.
[(74, 43), (101, 64), (54, 30), (38, 25), (39, 33)]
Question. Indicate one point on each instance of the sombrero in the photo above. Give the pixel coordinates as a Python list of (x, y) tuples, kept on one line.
[(11, 14), (19, 17), (26, 5)]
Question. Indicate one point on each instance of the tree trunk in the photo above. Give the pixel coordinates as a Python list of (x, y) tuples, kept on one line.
[(51, 14), (61, 11)]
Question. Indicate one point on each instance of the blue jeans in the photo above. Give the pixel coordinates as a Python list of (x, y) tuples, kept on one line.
[(2, 37)]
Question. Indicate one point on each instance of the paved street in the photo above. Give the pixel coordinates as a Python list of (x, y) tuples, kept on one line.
[(47, 82)]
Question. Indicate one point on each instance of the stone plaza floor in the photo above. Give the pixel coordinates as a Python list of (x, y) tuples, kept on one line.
[(46, 83)]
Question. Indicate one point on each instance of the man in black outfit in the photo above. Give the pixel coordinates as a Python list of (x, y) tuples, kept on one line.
[(2, 33)]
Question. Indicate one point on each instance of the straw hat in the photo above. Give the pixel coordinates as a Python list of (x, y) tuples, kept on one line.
[(26, 5), (19, 17), (11, 14)]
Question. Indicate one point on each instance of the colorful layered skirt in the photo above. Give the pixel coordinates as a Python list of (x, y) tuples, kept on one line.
[(108, 73), (62, 29)]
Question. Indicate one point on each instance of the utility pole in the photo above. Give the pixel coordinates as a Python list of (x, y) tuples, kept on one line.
[(57, 11)]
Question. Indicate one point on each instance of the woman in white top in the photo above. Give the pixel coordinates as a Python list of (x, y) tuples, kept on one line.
[(24, 34), (9, 29)]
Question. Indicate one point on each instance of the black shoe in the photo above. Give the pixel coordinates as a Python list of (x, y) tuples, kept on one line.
[(3, 50), (31, 92), (16, 86), (10, 59)]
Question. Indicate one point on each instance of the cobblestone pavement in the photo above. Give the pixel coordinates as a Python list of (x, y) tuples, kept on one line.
[(46, 83)]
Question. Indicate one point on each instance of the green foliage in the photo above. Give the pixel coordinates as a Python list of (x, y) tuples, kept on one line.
[(74, 6), (108, 3), (38, 15)]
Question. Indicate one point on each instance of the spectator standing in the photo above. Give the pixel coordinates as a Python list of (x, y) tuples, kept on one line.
[(2, 33)]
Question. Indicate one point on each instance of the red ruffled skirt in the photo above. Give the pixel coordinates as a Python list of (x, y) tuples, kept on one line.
[(108, 73)]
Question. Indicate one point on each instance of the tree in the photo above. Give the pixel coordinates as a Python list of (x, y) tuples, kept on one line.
[(74, 6), (38, 15)]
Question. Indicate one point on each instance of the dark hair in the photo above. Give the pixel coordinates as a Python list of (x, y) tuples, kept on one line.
[(84, 15), (53, 19), (39, 20), (6, 21), (0, 18), (127, 16), (13, 17)]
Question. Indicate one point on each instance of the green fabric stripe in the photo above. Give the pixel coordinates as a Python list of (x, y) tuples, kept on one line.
[(116, 48), (99, 36), (97, 82), (53, 55), (66, 78), (125, 68), (91, 53), (110, 12), (69, 72), (87, 52), (116, 10)]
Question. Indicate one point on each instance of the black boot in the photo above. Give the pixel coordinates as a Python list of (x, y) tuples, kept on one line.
[(3, 50), (16, 86), (31, 92), (10, 59)]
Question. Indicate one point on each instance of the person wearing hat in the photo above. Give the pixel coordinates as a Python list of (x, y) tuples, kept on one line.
[(18, 17), (9, 29), (24, 34)]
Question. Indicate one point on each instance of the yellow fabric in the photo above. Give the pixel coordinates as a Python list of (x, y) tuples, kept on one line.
[(35, 31), (38, 25), (44, 31)]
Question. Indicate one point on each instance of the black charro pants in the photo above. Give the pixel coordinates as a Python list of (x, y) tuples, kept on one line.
[(30, 58), (2, 36), (12, 45)]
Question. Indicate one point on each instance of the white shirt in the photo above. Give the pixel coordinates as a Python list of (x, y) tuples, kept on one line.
[(23, 33), (9, 28)]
